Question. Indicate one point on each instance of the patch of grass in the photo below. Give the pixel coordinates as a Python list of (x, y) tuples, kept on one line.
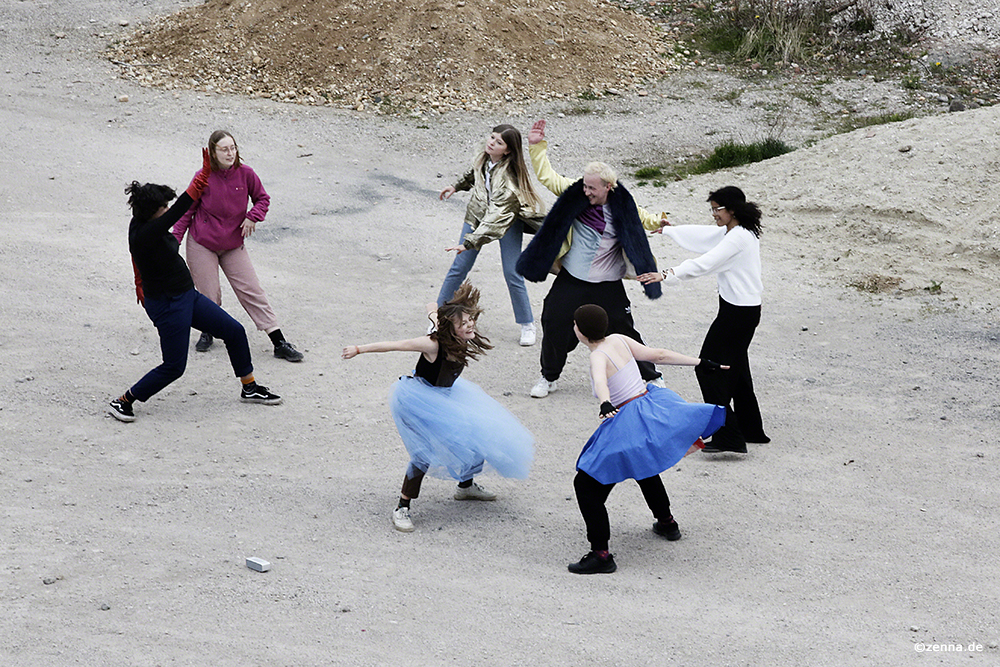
[(733, 154), (731, 96), (648, 172), (725, 156), (578, 110), (875, 284), (808, 98), (854, 122)]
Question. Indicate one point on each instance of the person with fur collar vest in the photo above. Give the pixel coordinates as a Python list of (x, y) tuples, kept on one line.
[(592, 237)]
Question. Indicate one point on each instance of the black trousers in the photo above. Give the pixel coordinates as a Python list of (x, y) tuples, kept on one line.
[(566, 295), (728, 342), (591, 495)]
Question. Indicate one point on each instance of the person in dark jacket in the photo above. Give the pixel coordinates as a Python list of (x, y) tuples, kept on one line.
[(165, 289), (593, 236)]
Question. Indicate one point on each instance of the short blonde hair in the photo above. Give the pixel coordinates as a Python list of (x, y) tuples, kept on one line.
[(606, 173)]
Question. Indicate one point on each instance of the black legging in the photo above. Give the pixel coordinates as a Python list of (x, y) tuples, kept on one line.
[(565, 296), (727, 342), (591, 495)]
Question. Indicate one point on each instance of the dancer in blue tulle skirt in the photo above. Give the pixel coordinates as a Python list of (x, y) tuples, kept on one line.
[(450, 427), (644, 430)]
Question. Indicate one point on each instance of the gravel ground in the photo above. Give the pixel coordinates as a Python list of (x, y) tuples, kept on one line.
[(862, 535)]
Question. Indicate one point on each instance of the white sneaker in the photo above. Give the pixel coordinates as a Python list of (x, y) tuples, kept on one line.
[(527, 334), (474, 492), (401, 520), (658, 382), (542, 388)]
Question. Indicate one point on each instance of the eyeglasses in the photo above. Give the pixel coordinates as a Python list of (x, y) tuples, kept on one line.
[(716, 209), (226, 149)]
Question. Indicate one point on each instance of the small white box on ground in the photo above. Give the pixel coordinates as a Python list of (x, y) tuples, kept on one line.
[(258, 564)]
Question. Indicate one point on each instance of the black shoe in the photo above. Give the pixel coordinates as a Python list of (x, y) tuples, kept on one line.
[(712, 448), (204, 343), (255, 393), (284, 350), (669, 530), (594, 564), (726, 439), (121, 410)]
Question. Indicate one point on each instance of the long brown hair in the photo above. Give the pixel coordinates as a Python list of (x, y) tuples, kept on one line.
[(214, 139), (464, 302), (513, 162)]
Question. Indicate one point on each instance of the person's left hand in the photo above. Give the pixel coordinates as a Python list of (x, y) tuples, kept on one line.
[(459, 249), (248, 227)]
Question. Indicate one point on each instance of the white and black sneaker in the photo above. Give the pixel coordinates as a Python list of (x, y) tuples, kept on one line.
[(121, 410), (256, 393)]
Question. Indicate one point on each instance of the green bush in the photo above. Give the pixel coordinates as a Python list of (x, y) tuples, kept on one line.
[(732, 154), (725, 156)]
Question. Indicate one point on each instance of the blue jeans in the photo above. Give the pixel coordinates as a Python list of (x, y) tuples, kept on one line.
[(510, 250), (174, 317)]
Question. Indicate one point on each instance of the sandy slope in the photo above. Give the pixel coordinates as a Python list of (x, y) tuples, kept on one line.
[(866, 526)]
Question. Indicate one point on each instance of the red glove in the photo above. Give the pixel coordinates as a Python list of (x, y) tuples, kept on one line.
[(201, 178), (140, 298)]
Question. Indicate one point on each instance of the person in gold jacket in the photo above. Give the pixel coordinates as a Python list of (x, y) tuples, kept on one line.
[(502, 204)]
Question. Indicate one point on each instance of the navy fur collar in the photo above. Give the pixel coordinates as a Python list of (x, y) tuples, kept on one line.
[(536, 260)]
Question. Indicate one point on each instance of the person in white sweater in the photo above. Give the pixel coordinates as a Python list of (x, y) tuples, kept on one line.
[(731, 250)]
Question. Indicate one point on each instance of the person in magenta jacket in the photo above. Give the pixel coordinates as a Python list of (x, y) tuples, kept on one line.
[(217, 227)]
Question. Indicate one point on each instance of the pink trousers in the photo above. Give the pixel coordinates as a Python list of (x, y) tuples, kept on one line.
[(205, 264)]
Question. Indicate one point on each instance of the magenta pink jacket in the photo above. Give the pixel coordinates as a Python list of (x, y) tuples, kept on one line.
[(214, 220)]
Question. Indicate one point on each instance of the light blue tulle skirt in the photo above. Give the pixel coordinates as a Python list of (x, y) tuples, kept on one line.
[(647, 436), (456, 431)]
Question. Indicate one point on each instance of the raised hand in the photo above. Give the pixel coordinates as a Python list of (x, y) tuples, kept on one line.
[(201, 178), (537, 133)]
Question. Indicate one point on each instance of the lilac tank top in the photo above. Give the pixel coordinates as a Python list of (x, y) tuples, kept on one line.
[(626, 383)]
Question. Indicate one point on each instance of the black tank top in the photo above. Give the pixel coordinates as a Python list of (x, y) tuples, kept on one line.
[(441, 373)]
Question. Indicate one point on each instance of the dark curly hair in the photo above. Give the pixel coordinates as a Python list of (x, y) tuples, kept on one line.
[(465, 301), (145, 199)]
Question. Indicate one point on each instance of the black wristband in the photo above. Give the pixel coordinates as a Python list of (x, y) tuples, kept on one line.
[(607, 408), (708, 365)]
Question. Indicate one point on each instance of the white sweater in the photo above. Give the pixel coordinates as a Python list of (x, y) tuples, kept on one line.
[(733, 255)]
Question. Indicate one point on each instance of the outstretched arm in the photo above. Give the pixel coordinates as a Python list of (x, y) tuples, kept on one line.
[(423, 345), (666, 357)]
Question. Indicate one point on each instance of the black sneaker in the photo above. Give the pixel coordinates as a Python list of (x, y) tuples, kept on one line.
[(204, 343), (726, 440), (285, 350), (121, 410), (669, 530), (255, 393), (594, 564)]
